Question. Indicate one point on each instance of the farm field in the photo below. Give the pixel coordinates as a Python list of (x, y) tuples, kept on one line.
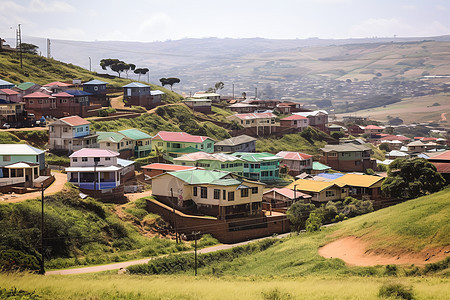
[(410, 110)]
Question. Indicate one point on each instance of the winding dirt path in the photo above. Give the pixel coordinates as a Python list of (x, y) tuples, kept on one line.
[(354, 252)]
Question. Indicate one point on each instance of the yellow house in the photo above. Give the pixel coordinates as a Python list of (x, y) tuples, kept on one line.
[(361, 185), (215, 193), (321, 191)]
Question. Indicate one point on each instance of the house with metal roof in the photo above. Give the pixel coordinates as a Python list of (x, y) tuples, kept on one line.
[(241, 143), (361, 185), (20, 166), (5, 84), (321, 191), (155, 169), (11, 112), (199, 104), (263, 166), (116, 141), (295, 121), (174, 144), (97, 89), (142, 141), (26, 88), (254, 119), (97, 172), (214, 97), (348, 157), (139, 94), (296, 162), (71, 134), (317, 118), (212, 161), (243, 108), (215, 193), (283, 198), (9, 95)]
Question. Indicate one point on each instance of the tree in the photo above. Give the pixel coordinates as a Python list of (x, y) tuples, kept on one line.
[(412, 178), (169, 81), (141, 71), (29, 48), (218, 86), (298, 213), (384, 147), (129, 67), (314, 221), (114, 64)]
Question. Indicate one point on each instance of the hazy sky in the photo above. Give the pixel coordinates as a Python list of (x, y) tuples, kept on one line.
[(148, 20)]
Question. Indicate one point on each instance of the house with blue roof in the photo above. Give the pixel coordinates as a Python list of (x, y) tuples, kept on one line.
[(5, 84), (97, 89), (139, 94)]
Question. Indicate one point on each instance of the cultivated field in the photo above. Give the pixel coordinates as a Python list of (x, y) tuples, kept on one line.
[(411, 110)]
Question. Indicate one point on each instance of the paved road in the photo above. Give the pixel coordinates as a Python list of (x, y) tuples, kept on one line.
[(125, 264)]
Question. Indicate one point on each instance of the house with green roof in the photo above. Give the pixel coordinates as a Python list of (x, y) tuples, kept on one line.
[(212, 161), (26, 88), (214, 193), (116, 141), (262, 166), (142, 141)]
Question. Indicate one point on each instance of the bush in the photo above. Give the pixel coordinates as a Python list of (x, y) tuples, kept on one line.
[(14, 260), (396, 291), (14, 293), (391, 270), (275, 294)]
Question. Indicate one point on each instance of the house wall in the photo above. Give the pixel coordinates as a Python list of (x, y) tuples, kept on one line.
[(95, 89), (297, 166), (233, 167), (78, 161), (15, 158), (206, 146), (161, 186)]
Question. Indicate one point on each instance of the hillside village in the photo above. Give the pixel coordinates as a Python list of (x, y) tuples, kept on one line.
[(245, 193)]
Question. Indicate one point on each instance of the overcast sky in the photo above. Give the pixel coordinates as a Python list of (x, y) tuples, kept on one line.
[(148, 20)]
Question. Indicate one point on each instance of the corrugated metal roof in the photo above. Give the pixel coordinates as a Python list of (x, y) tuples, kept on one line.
[(348, 147), (310, 185), (37, 95), (237, 140), (124, 162), (170, 136), (294, 117), (26, 85), (135, 85), (57, 84), (256, 157), (359, 180), (78, 93), (199, 176), (75, 121), (95, 82), (113, 137), (19, 149), (8, 92), (288, 193), (4, 82), (167, 167), (135, 134), (251, 116), (94, 152), (222, 157), (293, 155), (63, 95), (156, 92), (317, 166)]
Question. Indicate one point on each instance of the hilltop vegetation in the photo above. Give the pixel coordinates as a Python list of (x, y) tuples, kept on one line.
[(41, 70), (36, 138), (169, 118)]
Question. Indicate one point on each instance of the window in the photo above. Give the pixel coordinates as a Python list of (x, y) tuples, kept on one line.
[(216, 194), (107, 158), (329, 194), (224, 194), (222, 166), (6, 157), (108, 144), (230, 196), (160, 144), (65, 129), (244, 193), (332, 154), (195, 191), (96, 159), (255, 190), (87, 128), (203, 192), (175, 145), (31, 101), (84, 159), (74, 159), (343, 191)]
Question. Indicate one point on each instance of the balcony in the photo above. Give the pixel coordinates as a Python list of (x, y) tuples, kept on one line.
[(103, 185)]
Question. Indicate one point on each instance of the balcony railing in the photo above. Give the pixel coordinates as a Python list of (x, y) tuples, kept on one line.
[(104, 185)]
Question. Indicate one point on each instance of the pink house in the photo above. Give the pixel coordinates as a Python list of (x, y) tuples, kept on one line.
[(9, 95), (297, 162), (295, 121)]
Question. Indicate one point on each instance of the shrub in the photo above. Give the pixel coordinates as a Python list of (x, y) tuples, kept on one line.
[(396, 291), (14, 260), (275, 294), (391, 270), (14, 293)]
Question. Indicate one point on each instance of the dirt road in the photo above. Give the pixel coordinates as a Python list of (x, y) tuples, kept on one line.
[(126, 264), (56, 186)]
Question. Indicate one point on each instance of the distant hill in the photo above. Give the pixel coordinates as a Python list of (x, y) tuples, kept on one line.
[(256, 62)]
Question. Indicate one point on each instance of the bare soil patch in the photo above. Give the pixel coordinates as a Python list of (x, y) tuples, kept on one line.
[(354, 252)]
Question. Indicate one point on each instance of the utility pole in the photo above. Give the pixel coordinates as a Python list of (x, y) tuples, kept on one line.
[(49, 53), (195, 263), (19, 43), (256, 92), (295, 193), (42, 270), (90, 64), (174, 216), (233, 90)]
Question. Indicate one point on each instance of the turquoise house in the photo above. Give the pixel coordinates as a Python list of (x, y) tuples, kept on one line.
[(263, 166), (142, 141), (175, 144), (212, 161)]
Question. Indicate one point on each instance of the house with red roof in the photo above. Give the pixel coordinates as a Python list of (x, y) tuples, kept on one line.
[(254, 119), (98, 172), (39, 103), (295, 121), (442, 163), (355, 130), (289, 107), (296, 162), (9, 95), (175, 144), (58, 86), (71, 134)]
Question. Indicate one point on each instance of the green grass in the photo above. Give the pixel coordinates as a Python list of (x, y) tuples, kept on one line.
[(111, 286), (41, 70)]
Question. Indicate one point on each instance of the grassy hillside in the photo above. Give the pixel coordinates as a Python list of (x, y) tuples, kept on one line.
[(170, 118), (36, 138), (41, 70)]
